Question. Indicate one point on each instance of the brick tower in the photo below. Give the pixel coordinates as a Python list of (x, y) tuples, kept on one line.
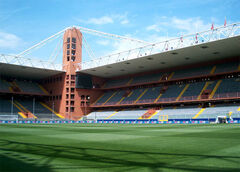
[(72, 55)]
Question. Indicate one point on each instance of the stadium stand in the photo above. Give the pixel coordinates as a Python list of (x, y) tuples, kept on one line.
[(116, 82), (133, 96), (221, 109), (27, 86), (188, 112), (99, 115), (146, 78), (150, 95), (193, 91), (6, 107), (228, 87), (167, 91), (192, 72), (104, 97), (22, 86), (128, 114), (39, 110), (172, 92), (116, 97), (227, 67), (4, 85), (178, 113)]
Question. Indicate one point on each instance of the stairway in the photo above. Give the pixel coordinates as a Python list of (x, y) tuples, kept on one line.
[(148, 114)]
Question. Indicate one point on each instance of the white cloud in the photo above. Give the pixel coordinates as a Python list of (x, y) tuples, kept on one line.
[(101, 20), (107, 19), (125, 21), (187, 26), (9, 41), (153, 27), (103, 42)]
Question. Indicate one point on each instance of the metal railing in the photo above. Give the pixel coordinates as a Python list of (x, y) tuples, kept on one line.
[(29, 62), (172, 99), (219, 33)]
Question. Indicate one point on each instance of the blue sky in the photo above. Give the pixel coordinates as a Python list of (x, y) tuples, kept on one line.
[(26, 22)]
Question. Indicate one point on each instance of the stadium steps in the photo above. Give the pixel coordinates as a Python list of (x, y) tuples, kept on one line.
[(25, 110), (155, 113), (149, 114), (197, 115), (43, 89), (50, 109), (21, 113), (213, 69), (130, 81), (110, 98), (141, 95), (182, 92), (158, 98), (112, 115), (204, 88), (14, 87), (4, 85), (98, 99), (170, 76), (119, 102), (215, 89)]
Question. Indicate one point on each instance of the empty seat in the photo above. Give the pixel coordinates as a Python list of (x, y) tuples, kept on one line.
[(227, 67), (198, 71), (4, 85), (28, 86)]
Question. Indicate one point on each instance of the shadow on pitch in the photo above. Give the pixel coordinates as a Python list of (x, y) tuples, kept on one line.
[(9, 163), (101, 159)]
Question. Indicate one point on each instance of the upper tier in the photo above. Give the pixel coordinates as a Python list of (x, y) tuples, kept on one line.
[(226, 88), (174, 75), (23, 87)]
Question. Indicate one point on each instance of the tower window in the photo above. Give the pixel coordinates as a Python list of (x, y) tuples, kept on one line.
[(72, 109), (68, 52), (73, 58), (68, 46), (73, 40), (68, 40), (82, 97), (73, 46), (68, 58), (72, 77), (73, 52)]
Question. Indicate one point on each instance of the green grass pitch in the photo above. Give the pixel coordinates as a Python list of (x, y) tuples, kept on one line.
[(119, 147)]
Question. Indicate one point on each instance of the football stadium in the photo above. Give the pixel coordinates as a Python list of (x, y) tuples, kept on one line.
[(172, 105)]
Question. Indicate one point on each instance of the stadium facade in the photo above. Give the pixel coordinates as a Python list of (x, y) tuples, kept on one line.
[(199, 80)]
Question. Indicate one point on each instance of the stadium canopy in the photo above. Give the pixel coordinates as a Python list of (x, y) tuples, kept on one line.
[(219, 43), (16, 66), (26, 72)]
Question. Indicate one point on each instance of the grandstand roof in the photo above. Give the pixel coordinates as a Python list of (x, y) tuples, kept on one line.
[(26, 72), (197, 53)]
